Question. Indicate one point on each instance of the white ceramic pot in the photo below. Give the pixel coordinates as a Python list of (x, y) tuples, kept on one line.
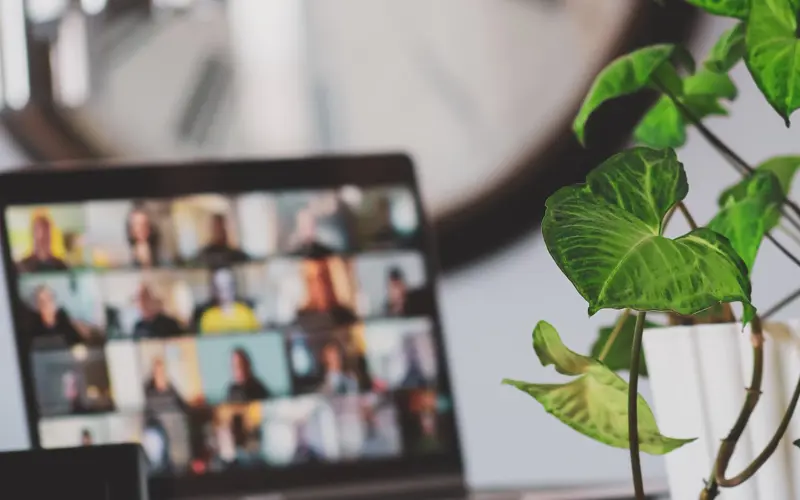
[(698, 375)]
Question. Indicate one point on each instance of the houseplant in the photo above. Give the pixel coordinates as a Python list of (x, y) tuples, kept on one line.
[(607, 236)]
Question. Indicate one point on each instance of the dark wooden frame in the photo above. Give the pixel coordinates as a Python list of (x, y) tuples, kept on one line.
[(478, 228)]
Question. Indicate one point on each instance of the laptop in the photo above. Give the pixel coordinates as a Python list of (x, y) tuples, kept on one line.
[(263, 329)]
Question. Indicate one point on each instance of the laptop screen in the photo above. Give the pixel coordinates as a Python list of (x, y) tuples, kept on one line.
[(247, 334)]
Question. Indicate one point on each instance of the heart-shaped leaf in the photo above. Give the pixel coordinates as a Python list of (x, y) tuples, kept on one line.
[(747, 216), (594, 404), (784, 168), (773, 53), (727, 8), (606, 237), (728, 50), (625, 75), (618, 357)]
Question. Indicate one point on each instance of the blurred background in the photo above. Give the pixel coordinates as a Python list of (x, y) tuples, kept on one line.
[(480, 92)]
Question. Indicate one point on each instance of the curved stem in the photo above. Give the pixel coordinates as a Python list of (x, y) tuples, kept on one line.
[(614, 334), (762, 458), (728, 445), (633, 400)]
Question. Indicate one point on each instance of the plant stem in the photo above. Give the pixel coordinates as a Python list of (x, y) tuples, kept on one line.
[(614, 334), (728, 445), (633, 400), (783, 249), (788, 232), (689, 219)]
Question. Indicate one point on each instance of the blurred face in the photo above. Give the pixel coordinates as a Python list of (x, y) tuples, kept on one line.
[(41, 235), (46, 303), (70, 386), (239, 368), (318, 285), (86, 439), (397, 290), (219, 234), (160, 375), (140, 226), (306, 225), (148, 305), (224, 286), (428, 423), (331, 358)]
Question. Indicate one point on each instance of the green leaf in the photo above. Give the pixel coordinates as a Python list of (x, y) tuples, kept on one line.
[(784, 168), (728, 50), (727, 8), (707, 82), (773, 53), (625, 75), (618, 357), (662, 126), (744, 220), (606, 237), (596, 402)]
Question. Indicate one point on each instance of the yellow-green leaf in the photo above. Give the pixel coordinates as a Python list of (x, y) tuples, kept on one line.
[(784, 168), (625, 75), (606, 237), (773, 53), (596, 402)]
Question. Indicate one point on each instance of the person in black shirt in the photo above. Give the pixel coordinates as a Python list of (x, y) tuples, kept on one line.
[(245, 385), (154, 323), (304, 452), (51, 323), (219, 251), (400, 300), (161, 394), (41, 257), (415, 375)]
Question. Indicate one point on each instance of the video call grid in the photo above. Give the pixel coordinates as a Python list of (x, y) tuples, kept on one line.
[(232, 260)]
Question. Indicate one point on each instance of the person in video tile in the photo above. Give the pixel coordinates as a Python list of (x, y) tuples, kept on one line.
[(336, 379), (86, 438), (415, 375), (303, 241), (304, 451), (322, 308), (153, 323), (49, 321), (226, 313), (161, 394), (400, 300), (219, 251), (245, 454), (71, 387), (41, 257), (245, 385), (143, 238)]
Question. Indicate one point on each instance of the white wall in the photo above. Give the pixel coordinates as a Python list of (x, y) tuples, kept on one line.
[(490, 310)]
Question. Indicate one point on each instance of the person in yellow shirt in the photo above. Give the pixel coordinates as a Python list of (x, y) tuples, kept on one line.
[(226, 313)]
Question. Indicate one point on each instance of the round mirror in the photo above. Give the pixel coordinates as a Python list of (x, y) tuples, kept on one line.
[(480, 92)]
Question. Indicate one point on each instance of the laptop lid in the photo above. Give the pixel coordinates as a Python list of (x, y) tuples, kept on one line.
[(257, 326)]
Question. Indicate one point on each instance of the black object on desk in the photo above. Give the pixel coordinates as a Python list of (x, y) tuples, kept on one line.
[(114, 472)]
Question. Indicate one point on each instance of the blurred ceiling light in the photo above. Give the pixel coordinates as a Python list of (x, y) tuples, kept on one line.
[(70, 59), (93, 7), (43, 11), (15, 53)]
